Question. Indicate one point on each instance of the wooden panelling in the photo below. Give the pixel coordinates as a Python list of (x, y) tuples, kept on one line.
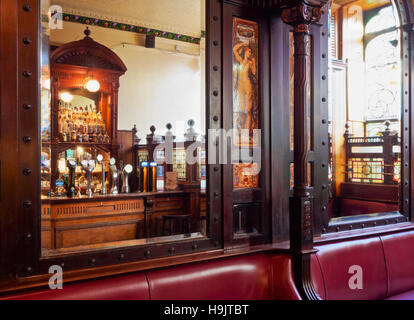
[(77, 235)]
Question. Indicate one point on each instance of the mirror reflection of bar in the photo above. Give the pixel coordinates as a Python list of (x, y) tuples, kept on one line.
[(101, 184)]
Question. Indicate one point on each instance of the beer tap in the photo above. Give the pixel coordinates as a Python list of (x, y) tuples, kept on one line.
[(115, 175), (71, 186), (125, 175), (100, 159), (88, 167)]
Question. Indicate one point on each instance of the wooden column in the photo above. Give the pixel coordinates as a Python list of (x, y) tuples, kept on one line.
[(300, 14)]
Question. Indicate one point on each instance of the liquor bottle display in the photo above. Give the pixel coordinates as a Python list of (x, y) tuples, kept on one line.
[(81, 124)]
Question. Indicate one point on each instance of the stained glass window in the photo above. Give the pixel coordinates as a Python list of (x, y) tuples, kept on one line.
[(366, 170), (383, 70), (179, 163)]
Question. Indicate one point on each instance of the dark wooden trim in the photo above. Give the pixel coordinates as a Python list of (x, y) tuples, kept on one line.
[(120, 268), (320, 40), (281, 156), (20, 109), (368, 231)]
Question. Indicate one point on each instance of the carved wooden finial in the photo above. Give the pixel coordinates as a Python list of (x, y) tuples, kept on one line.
[(87, 32), (387, 125), (135, 138), (151, 136), (169, 133), (191, 135)]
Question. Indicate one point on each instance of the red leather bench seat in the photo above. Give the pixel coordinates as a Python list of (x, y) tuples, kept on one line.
[(387, 264), (251, 277), (132, 287)]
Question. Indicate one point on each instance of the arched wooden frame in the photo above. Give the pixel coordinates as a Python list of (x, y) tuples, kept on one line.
[(71, 65), (322, 223)]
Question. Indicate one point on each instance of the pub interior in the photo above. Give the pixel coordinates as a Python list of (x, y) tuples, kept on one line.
[(206, 149)]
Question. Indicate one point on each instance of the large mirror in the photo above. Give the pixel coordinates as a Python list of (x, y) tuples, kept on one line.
[(123, 110), (365, 110)]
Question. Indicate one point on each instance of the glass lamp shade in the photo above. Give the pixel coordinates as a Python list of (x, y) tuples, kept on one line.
[(93, 85)]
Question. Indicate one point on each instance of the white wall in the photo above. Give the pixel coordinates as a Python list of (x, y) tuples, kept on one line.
[(159, 87)]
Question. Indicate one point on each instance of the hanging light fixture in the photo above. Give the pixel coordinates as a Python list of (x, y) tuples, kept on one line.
[(92, 85)]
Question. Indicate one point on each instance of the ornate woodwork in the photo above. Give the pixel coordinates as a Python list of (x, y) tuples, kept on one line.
[(300, 15), (67, 224), (71, 64)]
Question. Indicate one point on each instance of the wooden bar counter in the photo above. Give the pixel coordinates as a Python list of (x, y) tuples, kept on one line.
[(70, 222)]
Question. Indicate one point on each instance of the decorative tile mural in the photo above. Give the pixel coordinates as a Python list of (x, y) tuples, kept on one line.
[(243, 178), (246, 108)]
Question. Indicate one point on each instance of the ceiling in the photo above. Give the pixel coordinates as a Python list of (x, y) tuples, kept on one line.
[(179, 16)]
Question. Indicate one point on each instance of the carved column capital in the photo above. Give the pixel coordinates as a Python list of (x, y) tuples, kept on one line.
[(301, 13)]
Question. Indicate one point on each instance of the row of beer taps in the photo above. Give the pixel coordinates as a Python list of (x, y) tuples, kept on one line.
[(88, 166)]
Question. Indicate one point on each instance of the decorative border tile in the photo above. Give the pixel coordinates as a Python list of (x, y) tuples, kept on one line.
[(130, 28)]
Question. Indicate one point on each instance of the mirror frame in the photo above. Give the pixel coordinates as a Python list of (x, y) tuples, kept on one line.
[(20, 225), (322, 223)]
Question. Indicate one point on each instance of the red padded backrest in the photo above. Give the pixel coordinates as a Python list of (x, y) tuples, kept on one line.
[(336, 259), (399, 255), (317, 277), (131, 287), (283, 281), (240, 278)]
